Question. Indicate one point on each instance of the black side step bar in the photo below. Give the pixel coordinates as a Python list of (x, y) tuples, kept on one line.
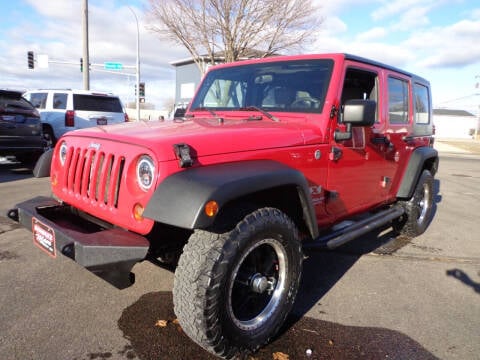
[(362, 227)]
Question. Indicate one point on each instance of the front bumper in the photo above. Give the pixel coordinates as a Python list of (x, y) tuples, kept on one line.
[(109, 253)]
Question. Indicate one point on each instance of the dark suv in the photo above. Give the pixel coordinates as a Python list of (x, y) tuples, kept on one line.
[(20, 127)]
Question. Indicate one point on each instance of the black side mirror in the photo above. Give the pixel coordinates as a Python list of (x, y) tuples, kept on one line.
[(356, 112)]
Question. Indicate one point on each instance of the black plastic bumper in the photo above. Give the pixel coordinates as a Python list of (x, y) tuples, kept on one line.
[(109, 253)]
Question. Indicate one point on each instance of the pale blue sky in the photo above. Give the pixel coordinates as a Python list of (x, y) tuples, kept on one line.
[(437, 39)]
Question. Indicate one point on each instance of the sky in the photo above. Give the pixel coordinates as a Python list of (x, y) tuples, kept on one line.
[(436, 39)]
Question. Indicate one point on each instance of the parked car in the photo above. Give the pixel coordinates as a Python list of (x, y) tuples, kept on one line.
[(20, 127), (66, 110), (273, 156)]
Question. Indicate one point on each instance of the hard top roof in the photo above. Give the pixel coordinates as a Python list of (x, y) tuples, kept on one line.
[(334, 56)]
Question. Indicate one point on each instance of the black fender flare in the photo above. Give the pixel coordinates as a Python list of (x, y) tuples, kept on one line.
[(44, 162), (179, 200), (416, 165)]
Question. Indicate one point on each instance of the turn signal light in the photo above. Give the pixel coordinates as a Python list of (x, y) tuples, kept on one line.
[(138, 210)]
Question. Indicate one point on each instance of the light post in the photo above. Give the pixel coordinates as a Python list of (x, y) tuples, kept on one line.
[(137, 68), (477, 128), (85, 56)]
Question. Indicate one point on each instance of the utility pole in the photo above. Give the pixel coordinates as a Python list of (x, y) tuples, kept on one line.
[(477, 128), (86, 57), (137, 67)]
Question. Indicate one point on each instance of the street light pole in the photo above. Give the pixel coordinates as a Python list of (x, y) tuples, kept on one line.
[(477, 128), (86, 57), (137, 70)]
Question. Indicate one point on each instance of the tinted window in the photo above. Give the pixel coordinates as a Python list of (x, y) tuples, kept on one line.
[(422, 104), (14, 108), (10, 102), (96, 103), (360, 84), (60, 101), (39, 100), (293, 86), (397, 101)]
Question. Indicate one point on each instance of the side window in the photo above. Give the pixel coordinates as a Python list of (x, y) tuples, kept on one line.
[(397, 101), (360, 84), (60, 101), (422, 104), (39, 100)]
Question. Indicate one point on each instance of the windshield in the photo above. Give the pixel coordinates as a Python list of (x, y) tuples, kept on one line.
[(289, 86)]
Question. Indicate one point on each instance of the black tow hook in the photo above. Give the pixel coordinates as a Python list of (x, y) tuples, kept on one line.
[(13, 214)]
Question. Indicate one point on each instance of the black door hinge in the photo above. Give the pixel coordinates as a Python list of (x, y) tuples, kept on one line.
[(335, 153)]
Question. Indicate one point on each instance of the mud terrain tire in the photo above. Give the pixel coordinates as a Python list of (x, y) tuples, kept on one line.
[(418, 210), (233, 291)]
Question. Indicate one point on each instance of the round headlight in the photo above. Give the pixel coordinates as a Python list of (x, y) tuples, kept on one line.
[(145, 172), (62, 152)]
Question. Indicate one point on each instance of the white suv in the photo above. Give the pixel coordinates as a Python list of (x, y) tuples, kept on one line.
[(66, 110)]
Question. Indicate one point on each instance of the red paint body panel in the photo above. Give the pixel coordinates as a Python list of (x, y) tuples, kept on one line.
[(365, 176)]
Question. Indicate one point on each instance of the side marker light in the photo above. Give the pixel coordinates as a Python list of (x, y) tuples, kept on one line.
[(138, 212), (211, 208)]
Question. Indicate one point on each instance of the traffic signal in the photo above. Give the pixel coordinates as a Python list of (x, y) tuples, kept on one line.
[(141, 92), (30, 59), (81, 64)]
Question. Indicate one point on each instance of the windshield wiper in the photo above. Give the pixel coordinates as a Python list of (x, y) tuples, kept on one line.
[(215, 115), (256, 108)]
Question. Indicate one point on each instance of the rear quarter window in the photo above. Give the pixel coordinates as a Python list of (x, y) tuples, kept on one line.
[(422, 104), (96, 103)]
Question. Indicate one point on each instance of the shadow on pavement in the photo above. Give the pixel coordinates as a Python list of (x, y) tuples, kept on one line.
[(327, 340), (14, 171), (139, 324), (464, 278)]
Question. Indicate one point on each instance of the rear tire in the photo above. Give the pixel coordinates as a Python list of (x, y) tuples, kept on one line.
[(418, 210), (233, 291), (48, 136)]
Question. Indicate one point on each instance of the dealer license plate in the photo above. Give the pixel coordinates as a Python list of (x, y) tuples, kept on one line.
[(44, 237)]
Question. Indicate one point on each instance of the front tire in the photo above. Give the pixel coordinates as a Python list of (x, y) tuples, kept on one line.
[(233, 291)]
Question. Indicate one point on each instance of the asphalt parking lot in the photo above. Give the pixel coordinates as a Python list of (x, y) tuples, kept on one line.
[(374, 298)]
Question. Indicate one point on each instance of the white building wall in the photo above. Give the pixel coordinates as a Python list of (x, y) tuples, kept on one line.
[(454, 126)]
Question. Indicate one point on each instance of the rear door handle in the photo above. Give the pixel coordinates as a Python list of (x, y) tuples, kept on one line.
[(380, 140)]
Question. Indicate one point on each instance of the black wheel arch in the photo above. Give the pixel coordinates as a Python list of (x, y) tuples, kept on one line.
[(180, 199), (422, 158)]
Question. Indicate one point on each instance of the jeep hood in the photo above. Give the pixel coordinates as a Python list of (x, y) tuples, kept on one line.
[(206, 137)]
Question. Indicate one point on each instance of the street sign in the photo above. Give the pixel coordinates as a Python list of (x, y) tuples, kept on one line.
[(42, 61), (110, 65)]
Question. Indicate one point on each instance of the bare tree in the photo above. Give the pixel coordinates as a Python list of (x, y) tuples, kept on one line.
[(234, 29), (169, 104)]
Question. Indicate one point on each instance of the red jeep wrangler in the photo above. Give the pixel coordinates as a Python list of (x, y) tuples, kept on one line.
[(270, 156)]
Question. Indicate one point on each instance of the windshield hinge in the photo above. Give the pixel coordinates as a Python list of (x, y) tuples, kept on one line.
[(182, 151), (333, 112)]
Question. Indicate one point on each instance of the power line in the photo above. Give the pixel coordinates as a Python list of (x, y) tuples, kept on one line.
[(457, 99)]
